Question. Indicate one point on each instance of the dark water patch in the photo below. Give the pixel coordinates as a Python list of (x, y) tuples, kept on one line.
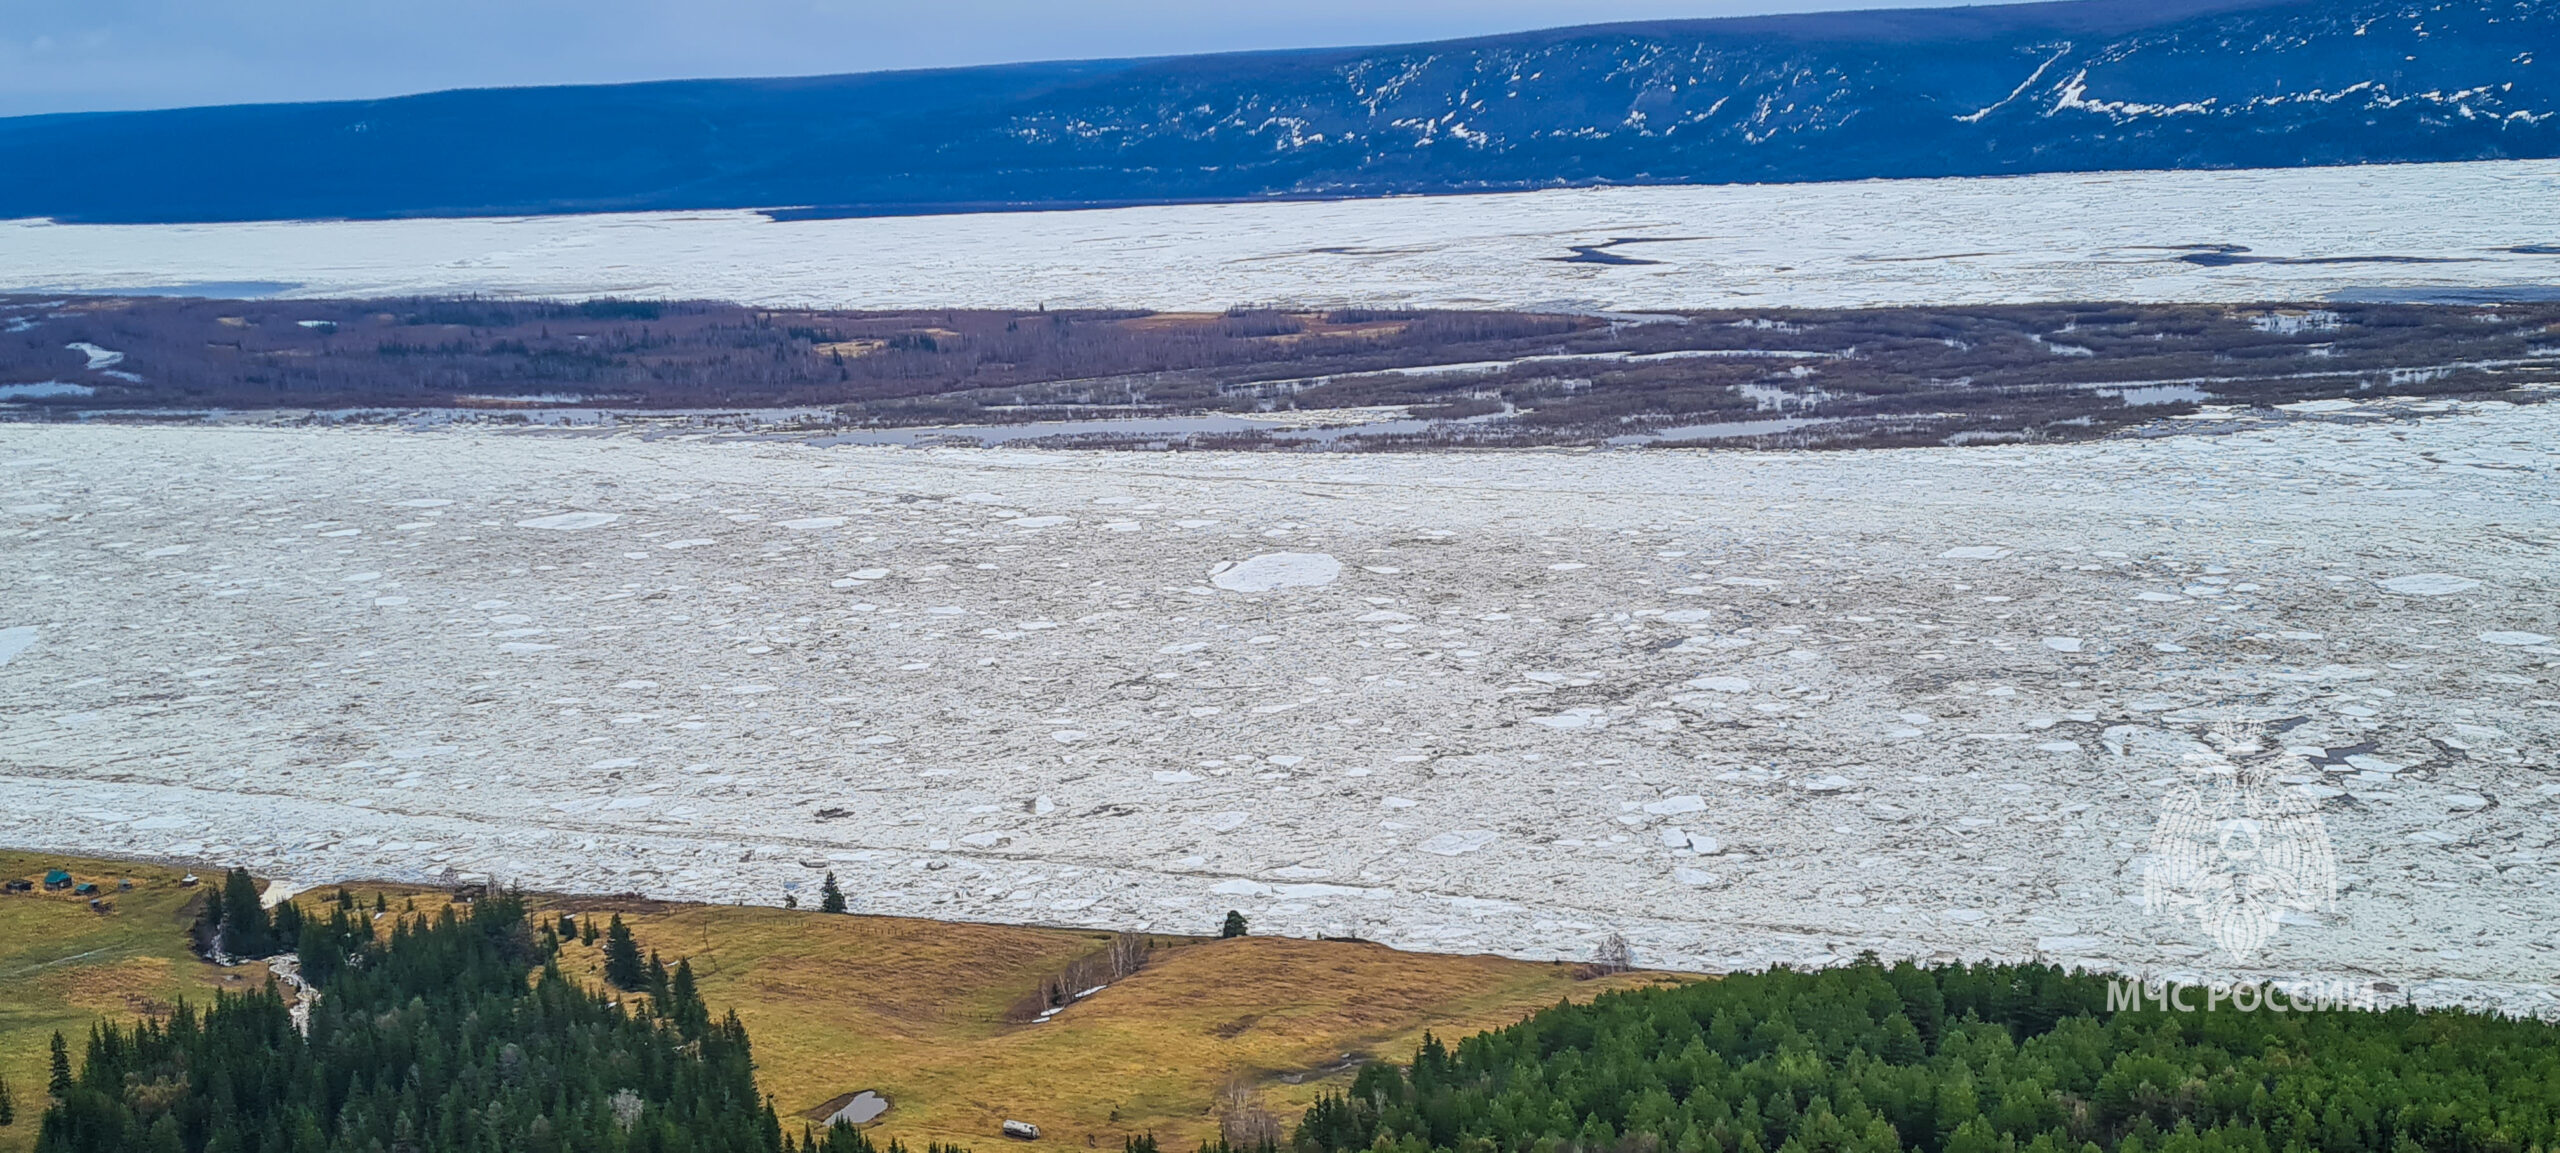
[(2221, 259), (1927, 259), (1597, 254), (2535, 249), (1600, 254), (1351, 250)]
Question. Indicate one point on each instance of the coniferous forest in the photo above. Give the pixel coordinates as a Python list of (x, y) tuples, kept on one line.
[(452, 1033), (459, 1032), (1991, 1059)]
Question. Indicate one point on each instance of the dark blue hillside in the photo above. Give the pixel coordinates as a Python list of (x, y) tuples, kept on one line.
[(2091, 85)]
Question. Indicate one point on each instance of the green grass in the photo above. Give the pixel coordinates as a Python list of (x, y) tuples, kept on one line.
[(65, 968)]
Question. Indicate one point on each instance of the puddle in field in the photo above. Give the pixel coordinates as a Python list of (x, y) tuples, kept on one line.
[(861, 1108), (2160, 394), (1690, 432)]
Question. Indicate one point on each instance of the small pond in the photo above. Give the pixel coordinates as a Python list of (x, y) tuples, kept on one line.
[(860, 1108)]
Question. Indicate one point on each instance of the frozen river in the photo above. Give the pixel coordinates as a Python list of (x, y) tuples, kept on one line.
[(2153, 236), (1742, 708)]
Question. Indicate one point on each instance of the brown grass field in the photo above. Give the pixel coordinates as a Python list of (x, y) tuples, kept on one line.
[(65, 968), (920, 1011), (916, 1010)]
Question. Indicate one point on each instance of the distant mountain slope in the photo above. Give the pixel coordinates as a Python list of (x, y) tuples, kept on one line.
[(2089, 85)]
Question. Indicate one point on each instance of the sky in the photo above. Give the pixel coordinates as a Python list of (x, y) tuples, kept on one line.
[(93, 55)]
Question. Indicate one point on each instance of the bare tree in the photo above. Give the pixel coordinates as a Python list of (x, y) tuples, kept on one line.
[(1128, 954), (1613, 956), (1242, 1121)]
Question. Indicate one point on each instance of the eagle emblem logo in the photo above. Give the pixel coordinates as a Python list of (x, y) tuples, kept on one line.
[(2234, 851)]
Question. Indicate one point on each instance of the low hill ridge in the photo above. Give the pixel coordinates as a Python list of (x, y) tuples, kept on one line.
[(2083, 86)]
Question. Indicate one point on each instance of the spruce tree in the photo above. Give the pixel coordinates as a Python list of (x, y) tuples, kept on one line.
[(623, 968), (246, 930), (1234, 926), (830, 898), (684, 1002), (60, 1083), (8, 1104)]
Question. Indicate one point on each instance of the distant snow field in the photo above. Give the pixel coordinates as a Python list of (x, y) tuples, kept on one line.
[(2150, 236), (1742, 708)]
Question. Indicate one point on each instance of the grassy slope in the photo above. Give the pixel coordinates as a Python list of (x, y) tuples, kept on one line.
[(64, 968), (914, 1009)]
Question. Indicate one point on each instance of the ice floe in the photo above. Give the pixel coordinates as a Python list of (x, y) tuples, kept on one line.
[(1276, 570), (2430, 584), (15, 640), (570, 521)]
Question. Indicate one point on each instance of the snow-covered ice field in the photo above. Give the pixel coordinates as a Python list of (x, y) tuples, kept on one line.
[(2106, 236), (1743, 708)]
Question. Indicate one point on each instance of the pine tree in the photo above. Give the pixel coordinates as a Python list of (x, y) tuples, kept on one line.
[(568, 927), (1234, 926), (830, 898), (658, 982), (8, 1105), (60, 1083), (623, 968)]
